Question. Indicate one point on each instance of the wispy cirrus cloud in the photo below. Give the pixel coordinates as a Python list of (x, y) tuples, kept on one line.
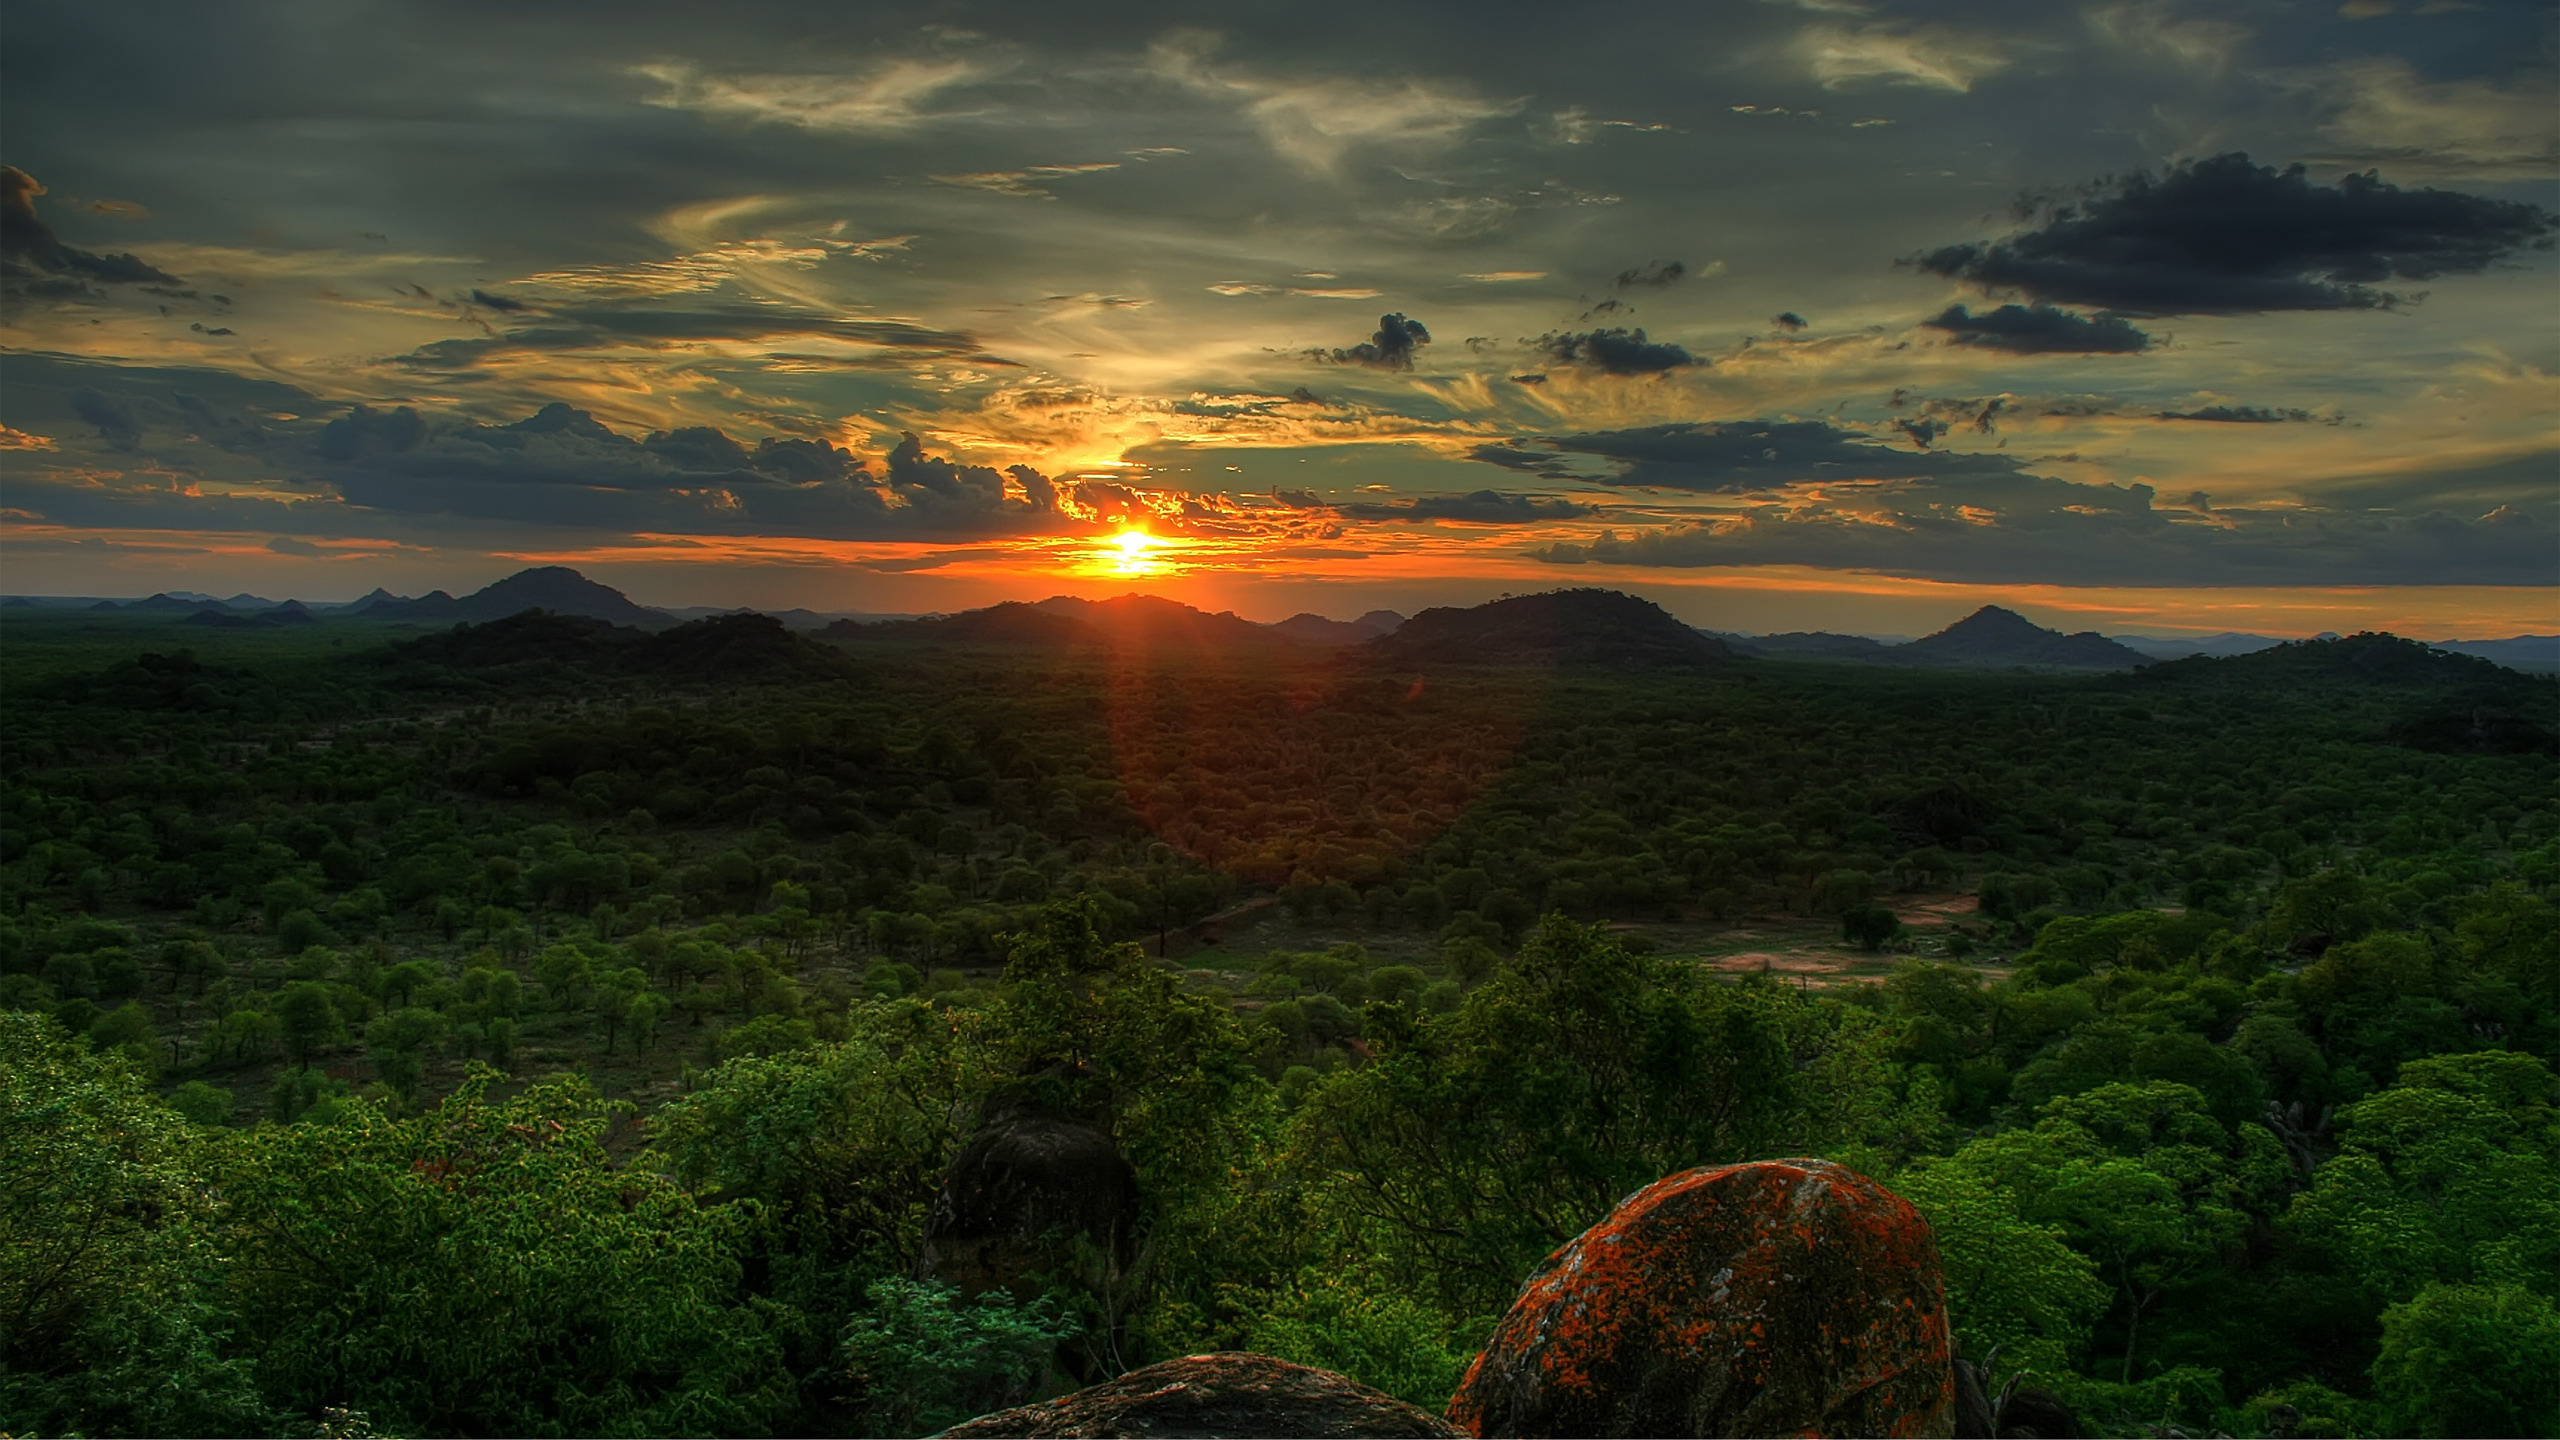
[(889, 97)]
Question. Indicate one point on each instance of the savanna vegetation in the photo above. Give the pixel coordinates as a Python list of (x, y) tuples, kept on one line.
[(532, 1028)]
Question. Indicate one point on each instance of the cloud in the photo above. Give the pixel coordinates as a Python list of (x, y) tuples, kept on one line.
[(1614, 351), (890, 97), (29, 248), (1655, 275), (1732, 457), (1931, 57), (2029, 530), (1504, 277), (1316, 123), (2237, 415), (1391, 348), (574, 328), (560, 466), (1022, 182), (1483, 507), (2040, 330), (1788, 320), (287, 545), (500, 303), (2469, 129), (113, 418), (2223, 236)]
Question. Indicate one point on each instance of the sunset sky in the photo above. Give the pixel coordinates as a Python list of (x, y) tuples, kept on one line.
[(2135, 316)]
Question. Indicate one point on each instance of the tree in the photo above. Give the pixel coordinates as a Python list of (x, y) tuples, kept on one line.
[(2142, 1180), (485, 1268), (2471, 1360), (2451, 1176), (2012, 1284), (106, 1243), (309, 1019), (397, 1043)]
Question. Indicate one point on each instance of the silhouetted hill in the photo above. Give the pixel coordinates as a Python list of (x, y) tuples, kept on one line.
[(1148, 622), (555, 588), (1129, 622), (1314, 629), (1819, 644), (736, 648), (170, 604), (291, 612), (2371, 657), (1996, 638), (533, 637), (1014, 622), (1561, 627)]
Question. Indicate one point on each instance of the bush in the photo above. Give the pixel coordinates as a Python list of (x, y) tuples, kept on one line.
[(925, 1360)]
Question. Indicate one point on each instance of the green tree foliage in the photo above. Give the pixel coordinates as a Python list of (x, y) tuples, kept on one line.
[(105, 1231), (2013, 1286), (2471, 1360), (2451, 1176), (1478, 1141), (484, 1268), (921, 1358)]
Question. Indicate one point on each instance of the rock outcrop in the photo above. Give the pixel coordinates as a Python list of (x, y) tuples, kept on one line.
[(1784, 1297), (1216, 1395), (1030, 1195)]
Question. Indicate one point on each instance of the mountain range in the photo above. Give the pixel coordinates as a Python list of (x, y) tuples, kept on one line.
[(1598, 627)]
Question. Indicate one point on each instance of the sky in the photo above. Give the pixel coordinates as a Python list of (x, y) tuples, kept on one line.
[(2139, 315)]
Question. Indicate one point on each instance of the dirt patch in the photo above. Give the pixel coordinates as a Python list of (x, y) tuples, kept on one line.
[(1933, 909)]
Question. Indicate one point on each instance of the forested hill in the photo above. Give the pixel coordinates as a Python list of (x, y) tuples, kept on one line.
[(548, 1026)]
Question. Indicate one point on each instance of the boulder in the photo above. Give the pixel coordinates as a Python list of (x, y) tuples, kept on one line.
[(1216, 1395), (1032, 1197), (1784, 1297)]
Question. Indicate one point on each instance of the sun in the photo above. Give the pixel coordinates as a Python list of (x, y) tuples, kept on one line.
[(1135, 543)]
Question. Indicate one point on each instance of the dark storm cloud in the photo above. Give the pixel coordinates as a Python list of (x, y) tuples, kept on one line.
[(2040, 330), (1614, 352), (593, 328), (2223, 236), (1736, 456), (1483, 507), (1788, 320), (499, 303), (1391, 348), (2237, 415), (29, 249), (2032, 530), (1653, 276)]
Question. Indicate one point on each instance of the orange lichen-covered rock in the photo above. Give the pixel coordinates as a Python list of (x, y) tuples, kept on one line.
[(1784, 1297)]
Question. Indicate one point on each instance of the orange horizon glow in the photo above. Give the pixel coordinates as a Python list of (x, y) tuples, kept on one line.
[(1257, 578)]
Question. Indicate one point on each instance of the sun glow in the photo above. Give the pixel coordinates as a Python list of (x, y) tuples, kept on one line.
[(1132, 553)]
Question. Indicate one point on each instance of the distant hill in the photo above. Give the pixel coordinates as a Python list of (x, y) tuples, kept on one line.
[(2538, 653), (1818, 643), (1562, 627), (291, 612), (1994, 638), (734, 648), (535, 637), (2371, 658), (1014, 622), (2180, 647), (1313, 629), (1148, 622), (555, 588), (1128, 622)]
